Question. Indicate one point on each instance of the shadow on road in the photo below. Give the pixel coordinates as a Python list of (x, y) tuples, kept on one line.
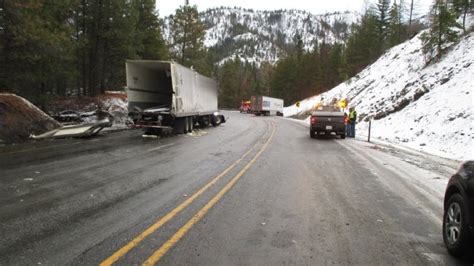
[(325, 137)]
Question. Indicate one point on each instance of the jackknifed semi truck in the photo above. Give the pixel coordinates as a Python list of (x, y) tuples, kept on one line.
[(166, 95), (264, 105)]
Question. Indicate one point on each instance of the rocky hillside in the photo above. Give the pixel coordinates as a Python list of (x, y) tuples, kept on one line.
[(424, 107), (259, 36)]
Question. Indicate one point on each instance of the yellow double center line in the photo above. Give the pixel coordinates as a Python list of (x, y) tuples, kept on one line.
[(198, 216)]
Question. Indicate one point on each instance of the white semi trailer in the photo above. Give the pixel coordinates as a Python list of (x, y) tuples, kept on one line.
[(264, 105), (166, 95)]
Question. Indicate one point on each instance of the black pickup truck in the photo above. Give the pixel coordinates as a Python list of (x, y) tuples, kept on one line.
[(327, 119)]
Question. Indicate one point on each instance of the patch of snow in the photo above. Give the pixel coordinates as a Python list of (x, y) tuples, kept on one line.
[(426, 108)]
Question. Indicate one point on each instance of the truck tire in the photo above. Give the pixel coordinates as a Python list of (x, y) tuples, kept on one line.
[(185, 127), (215, 120), (179, 125), (456, 215), (311, 134), (188, 125), (191, 124), (203, 121)]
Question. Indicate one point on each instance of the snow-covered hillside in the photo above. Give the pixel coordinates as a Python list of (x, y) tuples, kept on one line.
[(258, 36), (427, 108)]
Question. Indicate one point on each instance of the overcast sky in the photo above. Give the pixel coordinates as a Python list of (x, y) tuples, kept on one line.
[(168, 7)]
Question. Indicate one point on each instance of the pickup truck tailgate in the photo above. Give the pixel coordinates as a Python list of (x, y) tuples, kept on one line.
[(328, 121)]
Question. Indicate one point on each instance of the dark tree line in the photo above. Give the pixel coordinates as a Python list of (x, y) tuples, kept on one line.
[(74, 47), (238, 80)]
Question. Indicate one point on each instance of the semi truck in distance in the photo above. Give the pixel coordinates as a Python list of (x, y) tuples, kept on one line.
[(264, 105), (165, 95), (245, 107)]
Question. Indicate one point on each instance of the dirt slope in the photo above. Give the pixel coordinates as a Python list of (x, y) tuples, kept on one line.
[(19, 119)]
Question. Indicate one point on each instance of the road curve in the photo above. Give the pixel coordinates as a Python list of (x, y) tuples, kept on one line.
[(254, 191)]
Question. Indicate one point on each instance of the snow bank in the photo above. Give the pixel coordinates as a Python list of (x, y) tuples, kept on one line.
[(426, 108), (19, 119)]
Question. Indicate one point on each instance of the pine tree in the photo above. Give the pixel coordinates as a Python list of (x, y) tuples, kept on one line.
[(283, 81), (462, 8), (363, 46), (299, 49), (149, 32), (410, 19), (335, 63), (188, 37), (395, 26), (35, 47), (229, 83), (441, 31), (265, 76), (382, 11)]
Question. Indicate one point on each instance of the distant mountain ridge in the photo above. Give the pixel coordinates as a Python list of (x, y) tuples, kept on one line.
[(258, 36)]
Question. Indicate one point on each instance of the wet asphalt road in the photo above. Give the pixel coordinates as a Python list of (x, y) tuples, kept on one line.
[(267, 195)]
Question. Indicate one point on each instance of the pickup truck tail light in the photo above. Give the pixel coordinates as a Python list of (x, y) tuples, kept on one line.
[(313, 120)]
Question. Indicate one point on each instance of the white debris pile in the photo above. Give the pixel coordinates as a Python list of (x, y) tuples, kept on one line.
[(426, 108), (110, 105), (118, 108)]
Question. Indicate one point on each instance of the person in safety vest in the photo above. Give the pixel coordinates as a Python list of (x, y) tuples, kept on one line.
[(352, 122), (346, 123)]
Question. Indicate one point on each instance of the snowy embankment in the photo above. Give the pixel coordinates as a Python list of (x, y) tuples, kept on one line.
[(426, 108)]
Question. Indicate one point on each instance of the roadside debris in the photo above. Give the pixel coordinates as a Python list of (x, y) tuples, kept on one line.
[(69, 116), (76, 131), (73, 111)]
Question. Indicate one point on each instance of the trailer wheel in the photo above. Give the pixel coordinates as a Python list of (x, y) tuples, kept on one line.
[(191, 124), (203, 121), (179, 126), (215, 120), (188, 125)]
